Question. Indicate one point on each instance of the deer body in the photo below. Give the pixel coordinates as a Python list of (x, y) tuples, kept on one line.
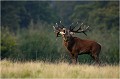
[(77, 46)]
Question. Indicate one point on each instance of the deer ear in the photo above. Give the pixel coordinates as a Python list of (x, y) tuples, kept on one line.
[(72, 33)]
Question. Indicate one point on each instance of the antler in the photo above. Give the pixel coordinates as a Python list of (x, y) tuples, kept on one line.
[(80, 29), (61, 25), (57, 28), (74, 26)]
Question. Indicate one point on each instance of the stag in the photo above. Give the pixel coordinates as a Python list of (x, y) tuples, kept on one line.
[(77, 46)]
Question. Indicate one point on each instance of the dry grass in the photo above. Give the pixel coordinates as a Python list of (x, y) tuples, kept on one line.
[(60, 70)]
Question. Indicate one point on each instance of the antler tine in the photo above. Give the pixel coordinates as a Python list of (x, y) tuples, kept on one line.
[(54, 27), (83, 30), (70, 26), (75, 26), (62, 24), (86, 28), (60, 21), (80, 27), (56, 24)]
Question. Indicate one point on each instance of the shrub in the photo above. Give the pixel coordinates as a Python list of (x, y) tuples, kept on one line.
[(8, 43)]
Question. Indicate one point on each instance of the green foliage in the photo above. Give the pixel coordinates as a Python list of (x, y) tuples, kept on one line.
[(8, 43), (65, 9), (32, 44), (17, 14), (35, 44), (101, 15)]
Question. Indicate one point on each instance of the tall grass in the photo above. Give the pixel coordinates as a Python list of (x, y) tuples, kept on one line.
[(40, 69)]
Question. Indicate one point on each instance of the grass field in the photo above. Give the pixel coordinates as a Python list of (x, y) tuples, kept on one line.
[(40, 69)]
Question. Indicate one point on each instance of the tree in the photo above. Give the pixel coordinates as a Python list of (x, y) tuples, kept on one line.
[(17, 14), (104, 14)]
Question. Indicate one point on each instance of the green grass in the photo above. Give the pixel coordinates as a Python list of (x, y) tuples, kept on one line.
[(41, 69)]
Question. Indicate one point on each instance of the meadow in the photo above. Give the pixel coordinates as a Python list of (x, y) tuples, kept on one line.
[(40, 69), (30, 49), (36, 53)]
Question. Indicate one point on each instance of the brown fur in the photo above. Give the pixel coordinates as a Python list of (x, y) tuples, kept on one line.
[(77, 46)]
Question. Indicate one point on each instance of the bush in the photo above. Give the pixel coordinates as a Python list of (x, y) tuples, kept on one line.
[(8, 43), (39, 44)]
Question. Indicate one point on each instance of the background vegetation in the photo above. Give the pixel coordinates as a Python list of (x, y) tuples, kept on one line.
[(27, 33)]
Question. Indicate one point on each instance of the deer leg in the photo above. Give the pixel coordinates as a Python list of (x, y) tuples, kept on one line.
[(74, 58), (96, 58)]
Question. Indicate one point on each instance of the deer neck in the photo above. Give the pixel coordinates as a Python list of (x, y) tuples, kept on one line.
[(69, 43)]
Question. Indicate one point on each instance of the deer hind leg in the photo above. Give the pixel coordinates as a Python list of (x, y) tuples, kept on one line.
[(95, 56)]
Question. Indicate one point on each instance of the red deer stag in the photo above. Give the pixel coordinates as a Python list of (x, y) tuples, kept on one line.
[(77, 46)]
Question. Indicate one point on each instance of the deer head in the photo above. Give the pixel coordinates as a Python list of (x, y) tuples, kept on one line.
[(67, 33), (57, 28)]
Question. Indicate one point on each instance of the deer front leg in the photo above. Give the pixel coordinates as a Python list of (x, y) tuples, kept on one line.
[(74, 58)]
